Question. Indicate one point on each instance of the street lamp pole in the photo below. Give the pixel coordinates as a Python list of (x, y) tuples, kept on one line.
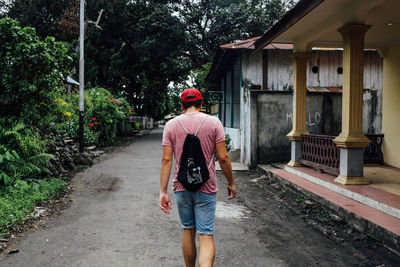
[(81, 75)]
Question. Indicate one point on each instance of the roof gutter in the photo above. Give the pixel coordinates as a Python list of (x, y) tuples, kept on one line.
[(302, 8)]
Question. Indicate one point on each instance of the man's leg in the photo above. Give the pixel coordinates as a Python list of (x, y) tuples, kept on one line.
[(204, 208), (184, 202), (189, 247), (207, 250)]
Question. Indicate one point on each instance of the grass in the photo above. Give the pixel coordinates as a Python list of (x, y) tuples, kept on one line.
[(20, 199)]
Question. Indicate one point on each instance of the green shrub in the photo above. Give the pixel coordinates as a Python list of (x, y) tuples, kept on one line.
[(17, 201), (21, 153), (105, 114), (70, 129), (17, 136), (102, 114)]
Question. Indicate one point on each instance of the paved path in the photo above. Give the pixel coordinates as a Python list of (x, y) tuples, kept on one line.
[(114, 220)]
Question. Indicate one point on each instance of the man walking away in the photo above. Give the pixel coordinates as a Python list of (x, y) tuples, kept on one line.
[(196, 208)]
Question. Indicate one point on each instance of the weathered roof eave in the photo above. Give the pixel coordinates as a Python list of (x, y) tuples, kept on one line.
[(222, 57), (302, 8)]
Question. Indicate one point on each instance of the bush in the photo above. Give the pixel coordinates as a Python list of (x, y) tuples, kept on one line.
[(102, 114), (19, 200), (105, 114), (70, 129), (21, 153)]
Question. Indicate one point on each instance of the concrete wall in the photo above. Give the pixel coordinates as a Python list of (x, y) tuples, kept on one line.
[(372, 111), (274, 119), (273, 125), (391, 106)]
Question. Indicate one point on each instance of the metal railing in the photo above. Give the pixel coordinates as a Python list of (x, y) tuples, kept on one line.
[(321, 153), (373, 152)]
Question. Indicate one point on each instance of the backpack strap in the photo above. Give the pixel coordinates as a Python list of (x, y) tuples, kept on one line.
[(182, 125), (201, 124), (212, 159)]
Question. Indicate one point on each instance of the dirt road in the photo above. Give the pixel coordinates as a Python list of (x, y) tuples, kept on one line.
[(114, 220)]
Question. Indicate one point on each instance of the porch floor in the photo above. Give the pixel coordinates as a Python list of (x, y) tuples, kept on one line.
[(236, 166), (377, 203), (384, 178)]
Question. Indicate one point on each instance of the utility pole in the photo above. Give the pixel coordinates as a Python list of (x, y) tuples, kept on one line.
[(81, 75)]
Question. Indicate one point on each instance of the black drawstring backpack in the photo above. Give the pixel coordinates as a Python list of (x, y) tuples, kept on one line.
[(193, 170)]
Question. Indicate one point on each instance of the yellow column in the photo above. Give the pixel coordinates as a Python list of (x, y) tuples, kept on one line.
[(299, 106), (352, 140)]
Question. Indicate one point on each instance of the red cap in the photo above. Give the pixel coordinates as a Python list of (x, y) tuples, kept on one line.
[(191, 94)]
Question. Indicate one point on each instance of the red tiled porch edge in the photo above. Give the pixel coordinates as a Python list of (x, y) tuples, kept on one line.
[(377, 217), (387, 198)]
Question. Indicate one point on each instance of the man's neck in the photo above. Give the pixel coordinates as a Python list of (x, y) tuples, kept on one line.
[(192, 109)]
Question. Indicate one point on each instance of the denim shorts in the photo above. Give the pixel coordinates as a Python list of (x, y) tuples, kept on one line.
[(197, 210)]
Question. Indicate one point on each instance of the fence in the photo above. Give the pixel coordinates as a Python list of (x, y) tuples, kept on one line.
[(321, 153)]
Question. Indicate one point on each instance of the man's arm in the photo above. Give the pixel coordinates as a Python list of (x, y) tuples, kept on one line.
[(226, 167), (166, 165)]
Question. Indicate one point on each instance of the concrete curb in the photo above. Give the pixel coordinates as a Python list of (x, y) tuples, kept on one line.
[(392, 211), (388, 238)]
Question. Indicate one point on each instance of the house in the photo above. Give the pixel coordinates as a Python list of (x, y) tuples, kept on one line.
[(256, 96), (353, 26)]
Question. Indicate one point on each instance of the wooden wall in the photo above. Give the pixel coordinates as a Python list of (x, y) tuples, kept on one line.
[(280, 70), (279, 75)]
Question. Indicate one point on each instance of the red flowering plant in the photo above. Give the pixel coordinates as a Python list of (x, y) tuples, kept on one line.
[(93, 124), (105, 114)]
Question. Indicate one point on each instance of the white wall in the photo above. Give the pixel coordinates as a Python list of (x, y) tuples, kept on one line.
[(234, 134)]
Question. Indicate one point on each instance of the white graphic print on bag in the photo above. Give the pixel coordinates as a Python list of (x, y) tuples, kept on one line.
[(193, 172)]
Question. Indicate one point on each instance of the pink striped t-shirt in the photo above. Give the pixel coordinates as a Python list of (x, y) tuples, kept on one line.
[(210, 133)]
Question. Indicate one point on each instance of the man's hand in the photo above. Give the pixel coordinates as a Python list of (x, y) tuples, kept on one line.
[(232, 191), (166, 165), (165, 202)]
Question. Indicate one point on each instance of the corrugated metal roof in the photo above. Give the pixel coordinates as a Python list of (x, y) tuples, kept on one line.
[(249, 44), (241, 44)]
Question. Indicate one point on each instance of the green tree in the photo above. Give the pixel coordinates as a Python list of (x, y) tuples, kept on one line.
[(139, 51), (140, 47), (43, 15), (213, 23), (31, 70)]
